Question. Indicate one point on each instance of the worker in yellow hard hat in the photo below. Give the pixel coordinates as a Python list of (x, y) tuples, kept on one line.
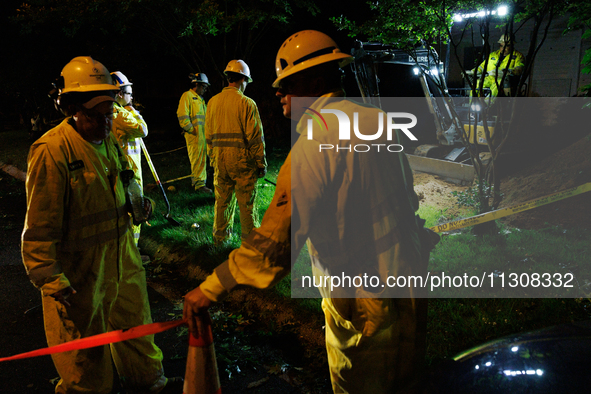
[(77, 243), (191, 116), (500, 66), (355, 211), (128, 127), (236, 148)]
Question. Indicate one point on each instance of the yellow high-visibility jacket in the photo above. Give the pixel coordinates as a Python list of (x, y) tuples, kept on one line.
[(233, 130), (191, 116), (191, 113), (128, 127), (77, 222), (496, 70)]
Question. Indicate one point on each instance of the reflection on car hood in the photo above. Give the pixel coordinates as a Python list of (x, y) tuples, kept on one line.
[(551, 360)]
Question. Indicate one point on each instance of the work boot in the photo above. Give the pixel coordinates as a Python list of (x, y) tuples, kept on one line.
[(204, 190), (173, 386)]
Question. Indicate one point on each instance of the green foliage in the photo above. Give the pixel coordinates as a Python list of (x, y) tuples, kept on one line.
[(471, 197), (432, 215), (580, 18)]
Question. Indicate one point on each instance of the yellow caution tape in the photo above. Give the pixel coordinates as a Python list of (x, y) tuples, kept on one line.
[(176, 179), (494, 215)]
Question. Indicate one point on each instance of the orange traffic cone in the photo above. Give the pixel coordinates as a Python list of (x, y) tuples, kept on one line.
[(201, 374)]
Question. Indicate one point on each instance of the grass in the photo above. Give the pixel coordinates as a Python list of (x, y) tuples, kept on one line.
[(455, 324)]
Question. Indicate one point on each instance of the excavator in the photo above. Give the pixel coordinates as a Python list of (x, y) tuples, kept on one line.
[(383, 71)]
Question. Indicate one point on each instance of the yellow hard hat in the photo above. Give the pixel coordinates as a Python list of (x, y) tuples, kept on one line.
[(84, 74), (239, 67), (305, 49)]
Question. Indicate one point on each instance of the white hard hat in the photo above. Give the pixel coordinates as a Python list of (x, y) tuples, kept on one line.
[(239, 67), (84, 74), (305, 49), (119, 79), (505, 38), (199, 78)]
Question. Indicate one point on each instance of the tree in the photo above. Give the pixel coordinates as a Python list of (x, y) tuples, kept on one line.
[(410, 24), (203, 34)]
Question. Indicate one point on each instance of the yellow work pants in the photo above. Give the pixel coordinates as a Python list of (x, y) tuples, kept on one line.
[(383, 362), (117, 305), (197, 151), (230, 180)]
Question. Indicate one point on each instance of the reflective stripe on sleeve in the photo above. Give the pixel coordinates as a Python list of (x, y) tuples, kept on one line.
[(37, 233), (225, 276), (271, 249)]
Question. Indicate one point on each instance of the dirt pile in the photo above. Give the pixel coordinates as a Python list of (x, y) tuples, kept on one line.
[(436, 192), (567, 168)]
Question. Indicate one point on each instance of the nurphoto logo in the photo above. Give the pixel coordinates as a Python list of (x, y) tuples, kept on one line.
[(345, 129)]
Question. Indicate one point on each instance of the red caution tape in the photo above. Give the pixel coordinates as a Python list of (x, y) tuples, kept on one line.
[(101, 339)]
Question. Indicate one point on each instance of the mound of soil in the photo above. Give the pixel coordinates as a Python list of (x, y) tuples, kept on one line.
[(565, 169), (436, 192)]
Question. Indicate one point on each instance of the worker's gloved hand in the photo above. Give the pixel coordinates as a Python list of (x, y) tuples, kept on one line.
[(194, 307), (62, 295), (262, 172), (148, 207)]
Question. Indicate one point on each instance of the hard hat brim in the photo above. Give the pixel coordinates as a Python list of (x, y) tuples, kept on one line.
[(342, 58), (248, 79), (90, 88), (97, 100)]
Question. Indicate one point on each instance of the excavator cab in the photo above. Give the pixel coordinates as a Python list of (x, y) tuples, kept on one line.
[(384, 71)]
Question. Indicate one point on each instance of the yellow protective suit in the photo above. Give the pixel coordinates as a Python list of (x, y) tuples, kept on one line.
[(191, 116), (128, 127), (236, 148), (356, 210), (77, 233), (496, 70)]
